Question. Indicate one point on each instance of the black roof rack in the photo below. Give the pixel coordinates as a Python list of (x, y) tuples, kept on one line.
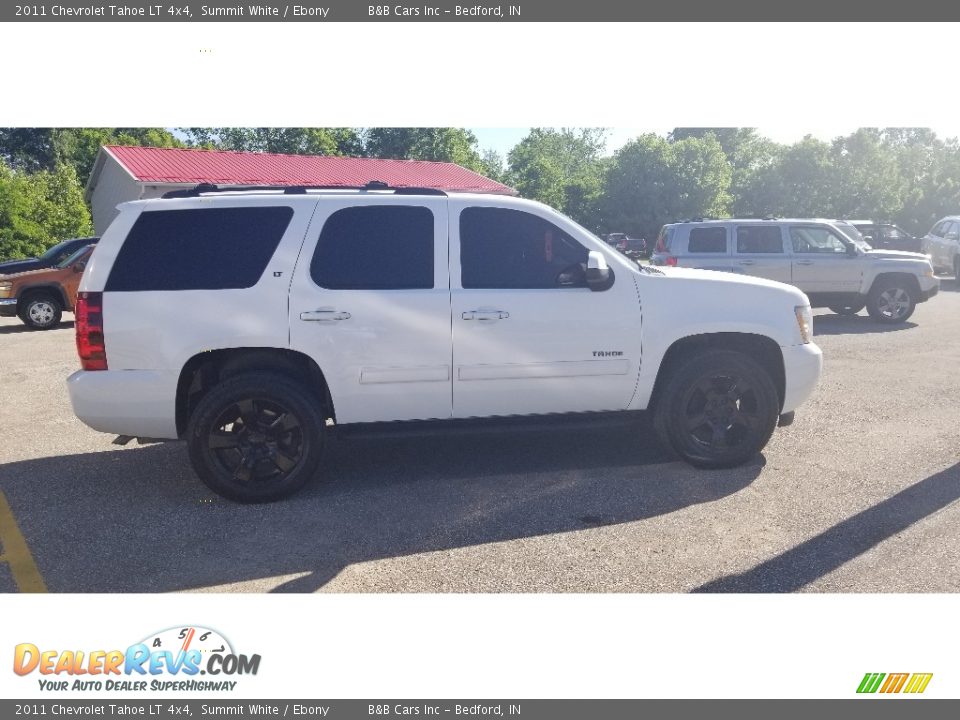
[(209, 188)]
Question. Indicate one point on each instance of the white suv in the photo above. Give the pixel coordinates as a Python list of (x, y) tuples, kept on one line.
[(827, 259), (255, 323)]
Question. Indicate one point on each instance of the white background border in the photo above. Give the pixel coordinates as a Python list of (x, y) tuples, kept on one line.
[(803, 76)]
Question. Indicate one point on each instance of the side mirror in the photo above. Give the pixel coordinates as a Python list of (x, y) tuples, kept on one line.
[(599, 274), (852, 251), (79, 267)]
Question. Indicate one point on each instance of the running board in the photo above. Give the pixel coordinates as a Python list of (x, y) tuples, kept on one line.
[(473, 426)]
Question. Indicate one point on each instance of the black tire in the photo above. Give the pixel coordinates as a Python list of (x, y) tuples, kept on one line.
[(256, 437), (717, 410), (891, 301), (847, 309), (41, 311)]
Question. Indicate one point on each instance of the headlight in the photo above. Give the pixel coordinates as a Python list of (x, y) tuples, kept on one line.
[(5, 289), (805, 322)]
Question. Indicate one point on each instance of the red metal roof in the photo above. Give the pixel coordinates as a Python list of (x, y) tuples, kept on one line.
[(222, 167)]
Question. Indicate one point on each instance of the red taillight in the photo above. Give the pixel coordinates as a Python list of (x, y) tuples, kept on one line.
[(661, 245), (670, 260), (89, 326)]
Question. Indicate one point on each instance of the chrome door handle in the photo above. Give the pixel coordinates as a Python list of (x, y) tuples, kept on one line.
[(324, 315), (748, 262), (804, 262), (487, 315)]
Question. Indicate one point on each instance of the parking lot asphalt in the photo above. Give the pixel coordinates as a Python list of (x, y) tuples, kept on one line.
[(860, 494)]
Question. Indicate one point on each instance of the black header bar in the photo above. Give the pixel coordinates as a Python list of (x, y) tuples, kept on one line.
[(511, 11)]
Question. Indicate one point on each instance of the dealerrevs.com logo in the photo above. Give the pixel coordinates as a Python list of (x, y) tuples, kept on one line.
[(172, 659)]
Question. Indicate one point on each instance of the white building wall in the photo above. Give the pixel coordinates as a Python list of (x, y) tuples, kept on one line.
[(114, 186)]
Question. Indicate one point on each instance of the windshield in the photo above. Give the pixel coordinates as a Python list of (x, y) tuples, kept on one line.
[(851, 232), (57, 253), (640, 265), (71, 259)]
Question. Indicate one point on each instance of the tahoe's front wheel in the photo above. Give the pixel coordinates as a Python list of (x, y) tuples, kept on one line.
[(717, 410), (256, 437)]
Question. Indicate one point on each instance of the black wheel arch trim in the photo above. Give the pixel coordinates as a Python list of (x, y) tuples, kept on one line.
[(53, 288), (760, 348)]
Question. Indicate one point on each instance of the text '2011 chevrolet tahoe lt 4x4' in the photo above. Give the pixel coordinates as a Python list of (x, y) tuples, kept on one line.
[(254, 323)]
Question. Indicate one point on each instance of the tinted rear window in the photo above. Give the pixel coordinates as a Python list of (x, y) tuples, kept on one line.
[(376, 247), (708, 240), (203, 249)]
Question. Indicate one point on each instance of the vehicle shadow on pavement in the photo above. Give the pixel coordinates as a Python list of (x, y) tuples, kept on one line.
[(824, 553), (137, 520), (854, 325), (21, 328)]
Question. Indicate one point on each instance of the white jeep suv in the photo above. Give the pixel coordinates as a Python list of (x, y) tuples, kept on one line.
[(827, 259), (254, 323)]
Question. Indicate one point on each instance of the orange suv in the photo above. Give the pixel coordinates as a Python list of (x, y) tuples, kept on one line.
[(39, 297)]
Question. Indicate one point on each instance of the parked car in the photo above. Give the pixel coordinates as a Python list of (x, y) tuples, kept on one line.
[(50, 259), (886, 236), (252, 324), (633, 248), (827, 259), (39, 297), (942, 244)]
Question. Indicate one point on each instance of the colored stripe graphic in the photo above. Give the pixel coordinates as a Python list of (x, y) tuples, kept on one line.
[(894, 682), (870, 682), (918, 683)]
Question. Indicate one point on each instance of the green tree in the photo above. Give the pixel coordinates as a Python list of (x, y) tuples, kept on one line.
[(653, 181), (30, 149), (79, 147), (493, 166), (866, 178), (798, 182), (747, 151), (288, 140), (38, 210), (33, 149), (562, 168), (456, 145)]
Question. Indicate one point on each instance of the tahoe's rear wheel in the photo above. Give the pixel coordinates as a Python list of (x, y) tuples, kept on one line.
[(41, 311), (891, 301), (718, 410), (256, 437)]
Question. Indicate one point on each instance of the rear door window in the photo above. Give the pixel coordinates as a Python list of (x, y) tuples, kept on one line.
[(198, 249), (376, 247), (708, 240), (755, 239)]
